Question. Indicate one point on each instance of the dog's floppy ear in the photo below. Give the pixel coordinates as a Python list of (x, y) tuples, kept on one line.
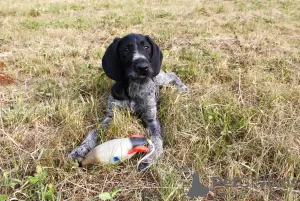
[(111, 63), (156, 56)]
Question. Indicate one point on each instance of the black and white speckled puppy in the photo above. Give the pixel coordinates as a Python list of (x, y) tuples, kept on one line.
[(134, 62)]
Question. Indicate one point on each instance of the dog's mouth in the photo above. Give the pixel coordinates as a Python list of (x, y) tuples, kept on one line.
[(135, 76)]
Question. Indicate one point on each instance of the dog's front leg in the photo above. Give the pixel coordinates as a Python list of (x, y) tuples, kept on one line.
[(154, 128), (91, 140)]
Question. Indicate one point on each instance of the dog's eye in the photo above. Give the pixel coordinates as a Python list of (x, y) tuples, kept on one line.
[(146, 48), (126, 49)]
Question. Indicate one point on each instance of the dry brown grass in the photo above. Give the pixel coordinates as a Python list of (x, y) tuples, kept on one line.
[(241, 118)]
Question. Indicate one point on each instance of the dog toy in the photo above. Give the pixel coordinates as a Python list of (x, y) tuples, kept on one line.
[(116, 150)]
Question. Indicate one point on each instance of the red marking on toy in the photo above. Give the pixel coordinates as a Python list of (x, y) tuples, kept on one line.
[(136, 136), (138, 149)]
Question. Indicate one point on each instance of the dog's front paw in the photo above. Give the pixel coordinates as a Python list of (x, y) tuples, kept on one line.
[(153, 155), (143, 166), (78, 153), (87, 145), (148, 162)]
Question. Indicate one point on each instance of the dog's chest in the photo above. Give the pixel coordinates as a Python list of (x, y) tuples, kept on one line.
[(143, 96)]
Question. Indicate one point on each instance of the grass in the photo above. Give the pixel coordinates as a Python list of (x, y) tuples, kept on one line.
[(240, 119)]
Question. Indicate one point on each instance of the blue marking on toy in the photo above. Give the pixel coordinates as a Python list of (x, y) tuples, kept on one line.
[(116, 158)]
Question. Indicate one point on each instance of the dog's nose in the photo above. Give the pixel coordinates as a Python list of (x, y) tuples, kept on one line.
[(143, 67)]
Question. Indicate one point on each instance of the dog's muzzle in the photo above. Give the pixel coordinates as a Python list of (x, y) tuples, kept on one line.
[(142, 68)]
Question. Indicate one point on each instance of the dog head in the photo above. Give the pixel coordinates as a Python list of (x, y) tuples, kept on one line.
[(133, 57)]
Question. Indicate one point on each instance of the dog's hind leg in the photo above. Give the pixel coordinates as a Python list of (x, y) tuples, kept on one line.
[(165, 78), (91, 140)]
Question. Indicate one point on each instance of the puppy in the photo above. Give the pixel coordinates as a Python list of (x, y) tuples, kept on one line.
[(134, 62)]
